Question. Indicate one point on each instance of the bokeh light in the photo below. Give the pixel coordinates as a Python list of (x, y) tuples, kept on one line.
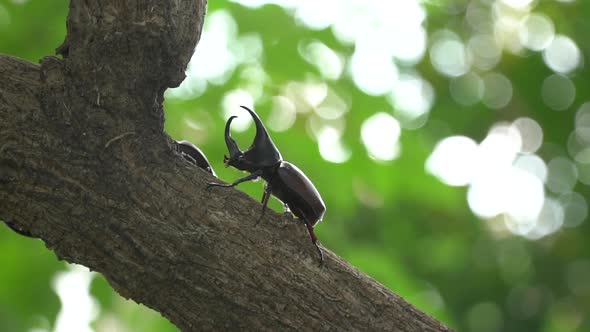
[(558, 92), (467, 89), (331, 146), (412, 99), (562, 55), (380, 134), (531, 134), (231, 103), (78, 308), (448, 54), (452, 160), (327, 61), (497, 90), (562, 176), (484, 50), (537, 33)]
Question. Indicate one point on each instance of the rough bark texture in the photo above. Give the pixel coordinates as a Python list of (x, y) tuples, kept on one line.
[(86, 167)]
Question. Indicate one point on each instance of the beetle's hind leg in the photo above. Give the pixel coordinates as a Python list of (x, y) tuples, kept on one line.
[(314, 240)]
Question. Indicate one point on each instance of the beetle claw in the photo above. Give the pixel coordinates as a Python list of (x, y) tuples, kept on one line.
[(322, 261)]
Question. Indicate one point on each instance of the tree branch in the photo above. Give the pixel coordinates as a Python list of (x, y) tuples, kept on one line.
[(85, 166)]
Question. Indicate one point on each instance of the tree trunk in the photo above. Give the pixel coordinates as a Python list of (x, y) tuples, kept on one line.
[(86, 167)]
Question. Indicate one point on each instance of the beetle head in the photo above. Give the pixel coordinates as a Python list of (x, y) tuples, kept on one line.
[(262, 152)]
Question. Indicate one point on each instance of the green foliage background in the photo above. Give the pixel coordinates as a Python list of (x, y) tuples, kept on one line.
[(423, 242)]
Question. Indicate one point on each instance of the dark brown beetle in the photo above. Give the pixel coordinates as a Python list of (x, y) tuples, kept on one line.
[(194, 155), (283, 179)]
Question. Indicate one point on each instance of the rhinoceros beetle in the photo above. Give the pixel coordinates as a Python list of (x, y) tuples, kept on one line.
[(194, 155), (283, 179)]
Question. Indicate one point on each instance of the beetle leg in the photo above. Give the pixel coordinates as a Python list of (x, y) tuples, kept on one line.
[(287, 210), (314, 240), (264, 202), (250, 177)]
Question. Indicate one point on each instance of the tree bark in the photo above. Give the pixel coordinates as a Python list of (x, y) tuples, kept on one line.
[(86, 167)]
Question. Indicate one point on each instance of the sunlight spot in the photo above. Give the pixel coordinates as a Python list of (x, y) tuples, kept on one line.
[(333, 107), (532, 164), (478, 17), (331, 147), (253, 79), (214, 49), (562, 55), (498, 90), (562, 176), (467, 89), (283, 114), (537, 32), (549, 220), (78, 307), (326, 61), (329, 112), (314, 93), (373, 73), (380, 134), (517, 3), (485, 51), (558, 92), (531, 134), (582, 130), (452, 160), (508, 190), (231, 103), (449, 55), (412, 97), (499, 148), (248, 48), (575, 208), (524, 194), (317, 15), (507, 26)]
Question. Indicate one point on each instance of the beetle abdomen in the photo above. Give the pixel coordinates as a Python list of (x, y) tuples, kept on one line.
[(294, 188)]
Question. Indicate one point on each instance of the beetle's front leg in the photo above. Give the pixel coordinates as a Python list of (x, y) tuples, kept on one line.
[(264, 202), (250, 177)]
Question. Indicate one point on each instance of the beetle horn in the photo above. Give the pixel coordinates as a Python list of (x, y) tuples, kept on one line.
[(232, 146), (263, 150)]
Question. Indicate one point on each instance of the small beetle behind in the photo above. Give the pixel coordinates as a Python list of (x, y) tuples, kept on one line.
[(283, 179), (194, 155)]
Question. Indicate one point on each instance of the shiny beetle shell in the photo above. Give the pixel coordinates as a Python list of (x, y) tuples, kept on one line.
[(294, 188), (194, 155)]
